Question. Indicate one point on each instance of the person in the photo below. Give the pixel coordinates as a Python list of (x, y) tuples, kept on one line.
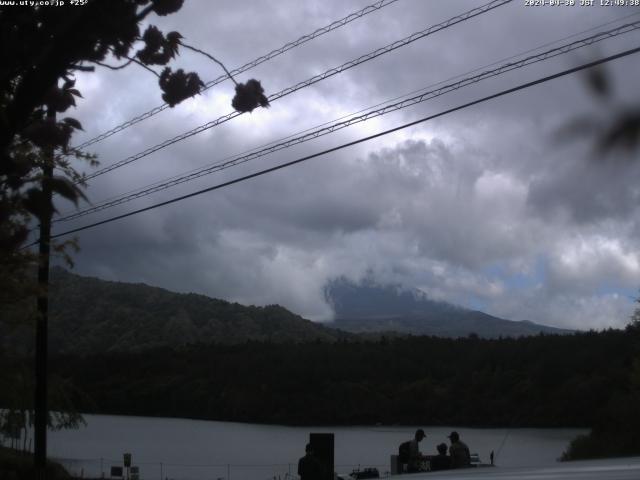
[(460, 456), (309, 467), (441, 461), (415, 457)]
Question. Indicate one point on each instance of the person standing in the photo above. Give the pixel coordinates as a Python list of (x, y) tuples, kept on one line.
[(309, 467), (415, 457), (459, 452)]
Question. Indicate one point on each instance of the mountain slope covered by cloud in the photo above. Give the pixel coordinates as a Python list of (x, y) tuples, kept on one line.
[(369, 307)]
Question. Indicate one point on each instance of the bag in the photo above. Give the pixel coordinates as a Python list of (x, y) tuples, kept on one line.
[(404, 452)]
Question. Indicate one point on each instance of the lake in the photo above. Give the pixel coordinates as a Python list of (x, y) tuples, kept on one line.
[(195, 449)]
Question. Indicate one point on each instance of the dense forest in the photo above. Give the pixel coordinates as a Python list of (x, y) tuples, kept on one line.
[(89, 315), (544, 381)]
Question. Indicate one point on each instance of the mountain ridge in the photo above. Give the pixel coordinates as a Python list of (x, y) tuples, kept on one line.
[(370, 307), (90, 315)]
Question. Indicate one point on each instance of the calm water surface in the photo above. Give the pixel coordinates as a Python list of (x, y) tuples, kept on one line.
[(195, 449)]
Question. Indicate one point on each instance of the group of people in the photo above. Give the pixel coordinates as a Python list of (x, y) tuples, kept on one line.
[(458, 454)]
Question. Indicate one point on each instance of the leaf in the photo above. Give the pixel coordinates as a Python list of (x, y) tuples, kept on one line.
[(35, 203), (158, 50), (72, 122), (70, 83), (624, 133), (579, 127), (166, 7), (58, 99), (42, 133), (178, 86), (153, 37), (70, 99), (62, 186), (173, 42), (598, 81), (249, 96)]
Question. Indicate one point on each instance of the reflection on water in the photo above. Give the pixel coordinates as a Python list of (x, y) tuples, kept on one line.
[(195, 449)]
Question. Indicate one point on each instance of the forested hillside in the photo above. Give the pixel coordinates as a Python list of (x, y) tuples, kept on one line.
[(533, 381), (89, 315)]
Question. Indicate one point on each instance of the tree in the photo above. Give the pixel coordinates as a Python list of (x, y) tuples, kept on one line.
[(615, 127), (617, 432), (41, 49), (17, 415)]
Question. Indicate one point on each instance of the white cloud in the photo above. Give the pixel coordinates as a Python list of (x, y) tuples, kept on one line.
[(480, 206)]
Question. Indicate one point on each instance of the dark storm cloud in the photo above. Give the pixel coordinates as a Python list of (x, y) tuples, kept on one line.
[(588, 193), (470, 207)]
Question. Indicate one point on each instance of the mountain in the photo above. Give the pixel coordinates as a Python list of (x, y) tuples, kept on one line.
[(89, 315), (368, 307)]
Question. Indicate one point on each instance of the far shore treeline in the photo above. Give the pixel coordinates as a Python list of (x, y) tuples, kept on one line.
[(543, 381)]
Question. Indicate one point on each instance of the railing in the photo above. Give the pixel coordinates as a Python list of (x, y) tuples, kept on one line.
[(92, 468)]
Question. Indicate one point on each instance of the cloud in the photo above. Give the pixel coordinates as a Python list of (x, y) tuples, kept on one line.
[(586, 189), (482, 207)]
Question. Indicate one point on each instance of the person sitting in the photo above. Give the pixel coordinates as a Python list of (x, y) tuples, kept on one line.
[(441, 461), (460, 456)]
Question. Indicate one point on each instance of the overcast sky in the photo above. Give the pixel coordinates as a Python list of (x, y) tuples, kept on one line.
[(488, 208)]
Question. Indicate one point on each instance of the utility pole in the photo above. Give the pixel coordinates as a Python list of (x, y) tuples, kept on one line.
[(40, 400)]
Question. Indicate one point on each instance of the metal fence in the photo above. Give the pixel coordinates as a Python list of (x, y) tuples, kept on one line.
[(92, 468)]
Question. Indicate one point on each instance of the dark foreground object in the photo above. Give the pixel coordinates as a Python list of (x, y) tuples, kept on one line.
[(15, 465), (611, 469)]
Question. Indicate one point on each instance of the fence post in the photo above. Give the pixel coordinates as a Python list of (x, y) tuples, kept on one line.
[(160, 470), (228, 472), (101, 467)]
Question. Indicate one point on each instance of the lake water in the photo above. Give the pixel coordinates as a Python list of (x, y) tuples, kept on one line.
[(195, 449)]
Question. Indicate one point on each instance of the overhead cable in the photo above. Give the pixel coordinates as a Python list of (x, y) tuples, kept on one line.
[(376, 112), (355, 142), (315, 79), (248, 66)]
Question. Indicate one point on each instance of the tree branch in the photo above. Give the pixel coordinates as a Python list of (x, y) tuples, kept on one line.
[(210, 57), (82, 68), (131, 59), (144, 12), (112, 67)]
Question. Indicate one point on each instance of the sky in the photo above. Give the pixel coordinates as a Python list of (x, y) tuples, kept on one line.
[(491, 207)]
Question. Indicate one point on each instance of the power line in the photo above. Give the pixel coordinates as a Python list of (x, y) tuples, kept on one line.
[(158, 186), (324, 130), (455, 77), (355, 142), (121, 198), (317, 78), (248, 66)]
